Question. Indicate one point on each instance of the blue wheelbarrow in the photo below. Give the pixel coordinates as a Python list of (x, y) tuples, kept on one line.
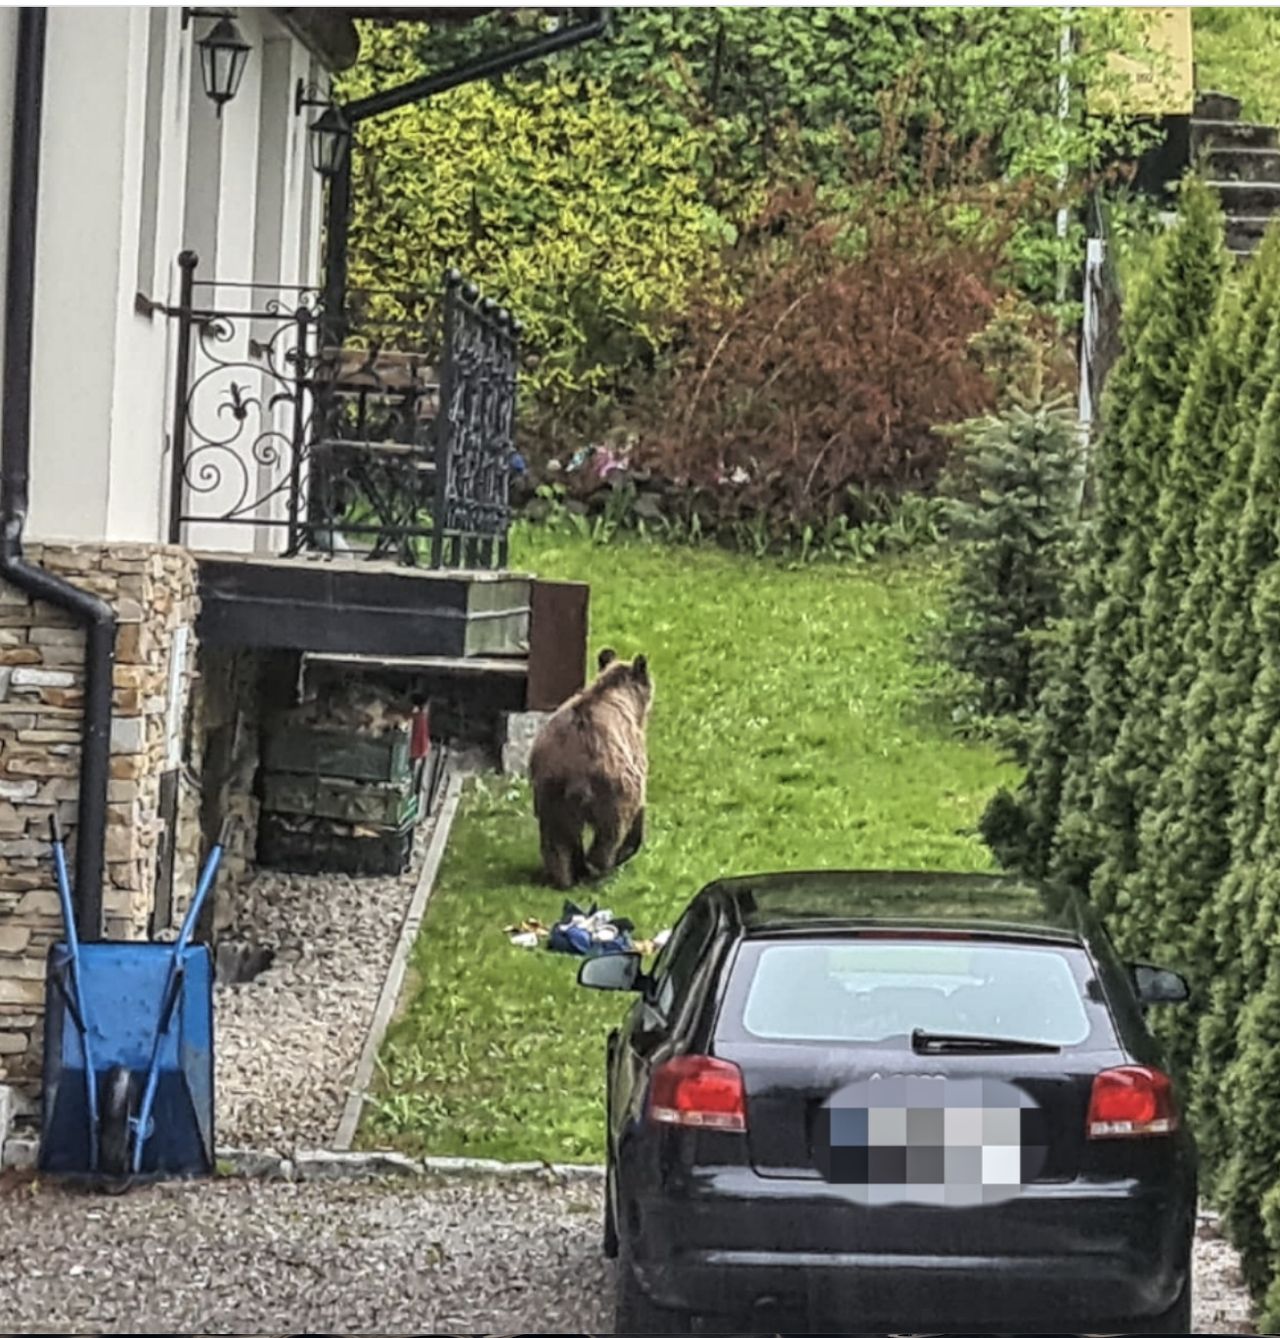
[(128, 1050)]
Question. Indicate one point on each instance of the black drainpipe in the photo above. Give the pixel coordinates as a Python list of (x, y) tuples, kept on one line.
[(338, 213), (94, 614)]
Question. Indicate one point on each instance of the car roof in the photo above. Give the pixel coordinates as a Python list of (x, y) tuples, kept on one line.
[(834, 901)]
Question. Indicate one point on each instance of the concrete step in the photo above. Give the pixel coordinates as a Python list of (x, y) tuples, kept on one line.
[(1244, 233), (1243, 164), (1212, 106), (1244, 199), (1231, 135)]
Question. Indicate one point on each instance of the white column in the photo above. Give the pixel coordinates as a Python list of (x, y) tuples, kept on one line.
[(90, 85)]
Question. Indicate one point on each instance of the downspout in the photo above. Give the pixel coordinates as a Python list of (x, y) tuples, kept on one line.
[(338, 214), (94, 614)]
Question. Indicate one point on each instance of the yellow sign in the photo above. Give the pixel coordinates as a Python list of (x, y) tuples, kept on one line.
[(1160, 79)]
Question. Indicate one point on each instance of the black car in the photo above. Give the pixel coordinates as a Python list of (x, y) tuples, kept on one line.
[(894, 1102)]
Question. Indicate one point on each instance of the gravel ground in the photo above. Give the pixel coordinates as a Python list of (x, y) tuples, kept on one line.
[(273, 1258), (288, 1041)]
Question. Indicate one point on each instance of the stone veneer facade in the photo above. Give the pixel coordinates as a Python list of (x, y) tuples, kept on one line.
[(153, 590)]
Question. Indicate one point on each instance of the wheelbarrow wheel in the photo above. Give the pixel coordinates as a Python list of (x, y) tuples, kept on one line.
[(117, 1113)]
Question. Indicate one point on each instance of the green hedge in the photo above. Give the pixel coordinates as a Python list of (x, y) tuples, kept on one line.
[(1154, 780)]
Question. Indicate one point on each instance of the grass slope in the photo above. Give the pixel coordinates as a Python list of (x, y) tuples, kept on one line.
[(786, 733)]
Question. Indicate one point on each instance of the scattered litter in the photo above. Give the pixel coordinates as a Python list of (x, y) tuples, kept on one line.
[(527, 934), (582, 933)]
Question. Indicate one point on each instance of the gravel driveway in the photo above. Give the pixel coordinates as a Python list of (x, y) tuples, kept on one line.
[(288, 1042), (264, 1258)]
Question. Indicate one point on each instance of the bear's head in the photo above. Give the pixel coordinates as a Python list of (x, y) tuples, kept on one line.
[(631, 677)]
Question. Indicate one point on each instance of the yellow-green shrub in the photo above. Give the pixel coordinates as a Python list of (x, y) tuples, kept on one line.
[(581, 218)]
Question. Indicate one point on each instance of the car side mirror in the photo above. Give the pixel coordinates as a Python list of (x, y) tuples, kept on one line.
[(1155, 985), (613, 971)]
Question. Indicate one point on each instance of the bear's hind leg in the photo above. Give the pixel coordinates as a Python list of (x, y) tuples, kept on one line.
[(635, 839), (562, 856), (603, 854)]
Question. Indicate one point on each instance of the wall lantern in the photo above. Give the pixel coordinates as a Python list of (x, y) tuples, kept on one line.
[(223, 55), (329, 136)]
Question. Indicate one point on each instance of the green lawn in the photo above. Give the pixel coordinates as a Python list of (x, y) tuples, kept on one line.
[(787, 732)]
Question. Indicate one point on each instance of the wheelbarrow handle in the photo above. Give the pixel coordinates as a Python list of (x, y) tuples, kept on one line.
[(169, 999)]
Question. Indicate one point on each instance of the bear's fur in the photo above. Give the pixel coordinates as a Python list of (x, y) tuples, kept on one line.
[(589, 768)]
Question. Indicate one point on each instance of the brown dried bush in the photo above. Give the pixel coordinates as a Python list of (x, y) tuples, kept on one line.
[(847, 344)]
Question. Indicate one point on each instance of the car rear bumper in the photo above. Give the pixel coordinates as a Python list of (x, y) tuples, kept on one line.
[(1065, 1258)]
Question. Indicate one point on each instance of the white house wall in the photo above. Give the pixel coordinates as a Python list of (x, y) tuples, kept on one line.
[(135, 473), (233, 189), (252, 246)]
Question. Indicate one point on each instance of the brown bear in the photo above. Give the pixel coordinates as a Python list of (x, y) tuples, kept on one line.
[(589, 768)]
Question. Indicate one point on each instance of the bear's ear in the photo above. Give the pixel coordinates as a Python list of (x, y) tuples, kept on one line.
[(640, 668), (607, 657)]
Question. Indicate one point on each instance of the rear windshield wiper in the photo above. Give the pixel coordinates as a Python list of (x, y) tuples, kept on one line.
[(936, 1042)]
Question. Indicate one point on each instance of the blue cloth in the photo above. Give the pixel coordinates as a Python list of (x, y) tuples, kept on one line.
[(580, 940)]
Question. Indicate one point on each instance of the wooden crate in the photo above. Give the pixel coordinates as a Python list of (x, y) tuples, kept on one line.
[(337, 753), (390, 805), (314, 846)]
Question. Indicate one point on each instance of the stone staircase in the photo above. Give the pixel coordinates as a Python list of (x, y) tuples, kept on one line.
[(1241, 161)]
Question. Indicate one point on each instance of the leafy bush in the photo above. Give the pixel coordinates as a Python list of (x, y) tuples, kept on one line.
[(588, 192), (629, 508), (847, 348), (775, 93), (1236, 52), (582, 217)]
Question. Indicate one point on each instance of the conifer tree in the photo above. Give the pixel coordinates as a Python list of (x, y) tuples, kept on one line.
[(1098, 819), (1016, 508), (1196, 461), (1184, 846), (1044, 828), (1236, 700)]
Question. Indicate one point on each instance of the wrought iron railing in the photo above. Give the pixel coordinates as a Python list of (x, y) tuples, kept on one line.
[(395, 441)]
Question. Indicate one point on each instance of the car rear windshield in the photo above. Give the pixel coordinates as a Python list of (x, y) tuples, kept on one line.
[(871, 990)]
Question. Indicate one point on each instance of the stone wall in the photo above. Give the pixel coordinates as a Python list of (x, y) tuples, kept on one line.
[(153, 591), (233, 691)]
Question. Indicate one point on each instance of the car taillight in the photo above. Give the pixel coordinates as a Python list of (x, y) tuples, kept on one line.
[(1131, 1102), (699, 1093)]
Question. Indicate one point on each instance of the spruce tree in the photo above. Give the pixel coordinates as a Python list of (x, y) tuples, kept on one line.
[(1097, 819), (1015, 506)]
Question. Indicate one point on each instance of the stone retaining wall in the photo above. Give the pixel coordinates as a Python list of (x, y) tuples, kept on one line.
[(153, 590)]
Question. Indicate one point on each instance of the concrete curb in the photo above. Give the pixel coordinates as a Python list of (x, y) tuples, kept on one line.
[(343, 1164), (390, 996), (308, 1164)]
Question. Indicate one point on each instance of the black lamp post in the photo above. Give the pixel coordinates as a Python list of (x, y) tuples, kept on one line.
[(329, 136), (223, 55)]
